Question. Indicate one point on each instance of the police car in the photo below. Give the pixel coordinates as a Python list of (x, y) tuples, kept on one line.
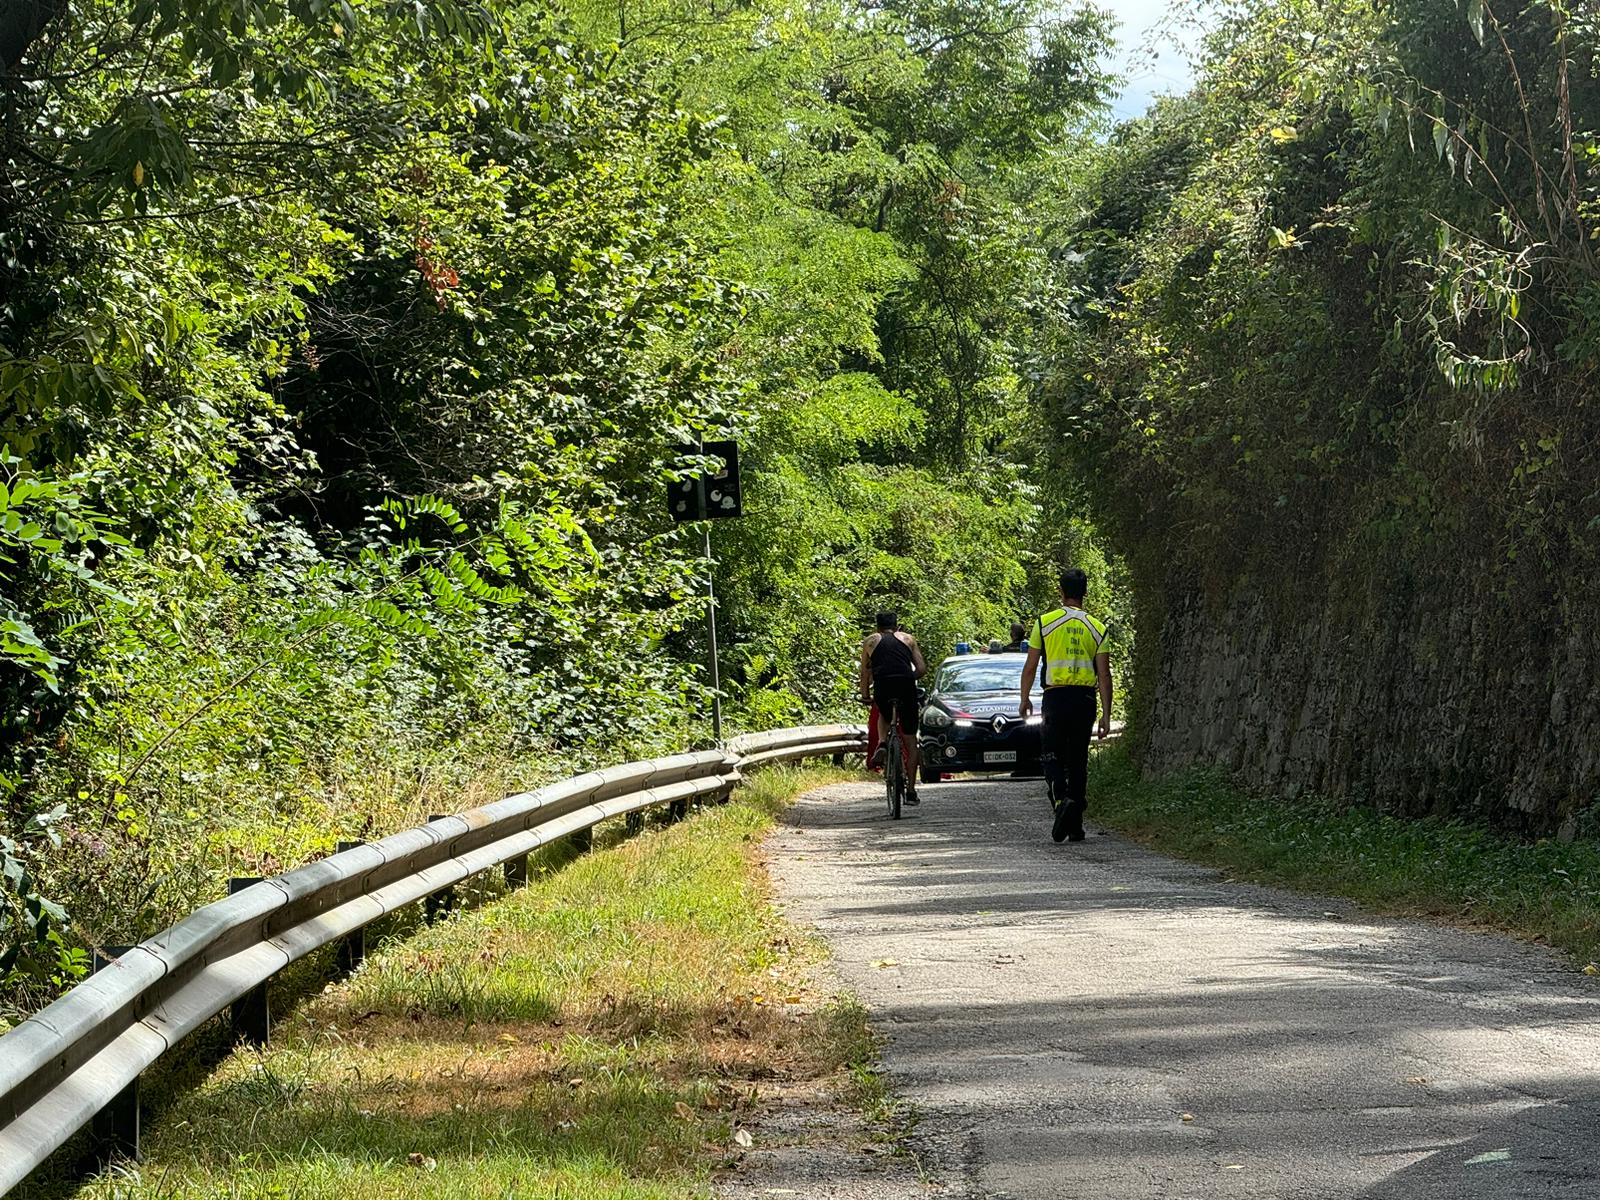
[(970, 722)]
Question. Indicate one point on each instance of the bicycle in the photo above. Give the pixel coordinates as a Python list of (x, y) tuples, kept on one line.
[(895, 778)]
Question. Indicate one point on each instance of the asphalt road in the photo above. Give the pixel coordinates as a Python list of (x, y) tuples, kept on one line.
[(1095, 1021)]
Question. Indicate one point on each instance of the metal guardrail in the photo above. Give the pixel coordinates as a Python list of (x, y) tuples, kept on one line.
[(80, 1058)]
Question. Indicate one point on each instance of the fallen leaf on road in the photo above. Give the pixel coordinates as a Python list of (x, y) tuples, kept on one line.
[(1417, 1080), (1591, 969), (1234, 1167), (1186, 1117), (885, 963), (742, 1137)]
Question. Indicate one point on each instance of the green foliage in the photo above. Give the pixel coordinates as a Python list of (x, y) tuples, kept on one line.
[(1327, 321), (344, 351), (871, 199), (33, 945), (48, 537), (226, 590)]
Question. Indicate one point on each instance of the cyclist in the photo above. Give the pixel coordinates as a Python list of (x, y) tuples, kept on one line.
[(891, 664)]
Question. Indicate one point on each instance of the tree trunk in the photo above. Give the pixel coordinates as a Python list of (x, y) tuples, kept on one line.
[(21, 23)]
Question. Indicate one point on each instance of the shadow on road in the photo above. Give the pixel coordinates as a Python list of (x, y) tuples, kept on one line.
[(1545, 1150), (1146, 1027)]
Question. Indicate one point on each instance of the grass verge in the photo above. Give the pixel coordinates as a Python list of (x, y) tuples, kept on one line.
[(1468, 873), (600, 1033)]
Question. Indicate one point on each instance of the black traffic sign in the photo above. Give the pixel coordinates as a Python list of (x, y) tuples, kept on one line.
[(710, 496)]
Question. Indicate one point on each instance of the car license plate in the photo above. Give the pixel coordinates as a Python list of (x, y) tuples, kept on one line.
[(999, 756)]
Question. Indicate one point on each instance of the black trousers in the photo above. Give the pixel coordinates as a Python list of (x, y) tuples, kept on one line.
[(1069, 714)]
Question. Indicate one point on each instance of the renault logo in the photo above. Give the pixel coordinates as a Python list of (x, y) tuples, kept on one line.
[(999, 723)]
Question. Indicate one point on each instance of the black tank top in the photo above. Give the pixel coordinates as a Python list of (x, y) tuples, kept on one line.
[(891, 659)]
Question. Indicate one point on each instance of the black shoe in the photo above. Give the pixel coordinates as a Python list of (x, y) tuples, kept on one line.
[(912, 798), (1062, 825), (1075, 837)]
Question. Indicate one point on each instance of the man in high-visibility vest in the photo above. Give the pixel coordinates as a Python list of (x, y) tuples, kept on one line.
[(1075, 649)]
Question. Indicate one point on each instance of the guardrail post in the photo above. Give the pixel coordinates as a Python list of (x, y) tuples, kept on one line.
[(677, 811), (517, 871), (114, 1133), (635, 821), (582, 840), (353, 946), (730, 769), (443, 902), (250, 1014)]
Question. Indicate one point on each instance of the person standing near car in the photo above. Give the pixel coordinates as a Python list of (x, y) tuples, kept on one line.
[(1074, 649), (1019, 638), (891, 664)]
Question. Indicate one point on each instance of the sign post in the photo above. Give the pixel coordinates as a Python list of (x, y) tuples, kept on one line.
[(710, 496), (711, 634)]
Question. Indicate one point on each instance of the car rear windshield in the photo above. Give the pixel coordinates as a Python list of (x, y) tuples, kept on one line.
[(975, 675)]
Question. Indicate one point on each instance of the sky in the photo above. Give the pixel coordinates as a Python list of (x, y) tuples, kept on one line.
[(1169, 72)]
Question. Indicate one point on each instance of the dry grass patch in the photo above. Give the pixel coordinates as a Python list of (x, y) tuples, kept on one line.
[(602, 1033)]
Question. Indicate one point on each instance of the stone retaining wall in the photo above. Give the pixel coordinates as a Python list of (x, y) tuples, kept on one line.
[(1424, 698)]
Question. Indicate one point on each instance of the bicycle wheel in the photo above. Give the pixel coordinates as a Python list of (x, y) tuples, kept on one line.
[(894, 771)]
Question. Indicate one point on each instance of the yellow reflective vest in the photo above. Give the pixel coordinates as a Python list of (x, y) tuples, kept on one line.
[(1068, 640)]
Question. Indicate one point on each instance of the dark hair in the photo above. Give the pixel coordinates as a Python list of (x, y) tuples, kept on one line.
[(888, 619), (1074, 583), (1017, 631)]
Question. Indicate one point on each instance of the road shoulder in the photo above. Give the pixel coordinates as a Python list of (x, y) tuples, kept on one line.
[(1100, 1022)]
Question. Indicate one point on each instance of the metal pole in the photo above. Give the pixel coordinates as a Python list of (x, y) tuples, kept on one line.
[(352, 950), (711, 627), (250, 1013), (116, 1126)]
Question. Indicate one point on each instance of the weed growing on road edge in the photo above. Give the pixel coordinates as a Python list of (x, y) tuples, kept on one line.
[(1457, 870), (605, 1032), (857, 1047)]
